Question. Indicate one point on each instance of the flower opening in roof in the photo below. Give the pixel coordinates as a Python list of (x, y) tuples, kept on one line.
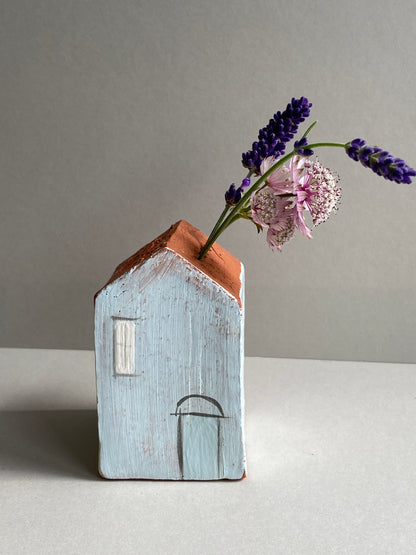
[(289, 186)]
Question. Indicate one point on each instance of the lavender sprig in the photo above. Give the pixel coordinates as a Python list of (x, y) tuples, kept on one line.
[(280, 130), (301, 147), (233, 195), (380, 161)]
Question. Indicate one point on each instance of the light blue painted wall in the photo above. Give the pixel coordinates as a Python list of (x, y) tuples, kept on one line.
[(189, 340)]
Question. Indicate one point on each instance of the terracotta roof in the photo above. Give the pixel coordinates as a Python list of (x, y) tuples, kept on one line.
[(221, 266)]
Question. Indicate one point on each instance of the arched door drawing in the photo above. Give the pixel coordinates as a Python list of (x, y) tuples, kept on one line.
[(199, 437)]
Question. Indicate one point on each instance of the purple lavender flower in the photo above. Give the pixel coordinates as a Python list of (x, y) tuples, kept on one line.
[(300, 147), (280, 130), (380, 161), (233, 195)]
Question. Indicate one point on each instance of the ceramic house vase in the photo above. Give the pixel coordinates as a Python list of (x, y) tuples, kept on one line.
[(169, 343)]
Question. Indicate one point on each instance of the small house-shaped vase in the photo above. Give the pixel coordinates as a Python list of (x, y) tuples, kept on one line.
[(169, 344)]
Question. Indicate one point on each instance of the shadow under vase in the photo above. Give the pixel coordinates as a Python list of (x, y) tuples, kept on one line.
[(49, 442)]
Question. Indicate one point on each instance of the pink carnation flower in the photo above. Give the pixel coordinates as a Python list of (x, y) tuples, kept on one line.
[(323, 193), (290, 181), (290, 192), (283, 228), (264, 208), (281, 179), (274, 213)]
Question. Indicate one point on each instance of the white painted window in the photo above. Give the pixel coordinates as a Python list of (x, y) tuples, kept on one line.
[(124, 346)]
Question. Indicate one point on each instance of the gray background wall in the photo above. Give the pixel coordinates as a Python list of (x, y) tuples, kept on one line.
[(119, 118)]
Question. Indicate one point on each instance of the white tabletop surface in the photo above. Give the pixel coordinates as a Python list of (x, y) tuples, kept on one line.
[(331, 450)]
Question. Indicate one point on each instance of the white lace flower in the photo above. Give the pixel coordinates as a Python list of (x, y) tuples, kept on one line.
[(323, 193)]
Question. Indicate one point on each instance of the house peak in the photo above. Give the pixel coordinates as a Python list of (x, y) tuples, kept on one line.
[(187, 241)]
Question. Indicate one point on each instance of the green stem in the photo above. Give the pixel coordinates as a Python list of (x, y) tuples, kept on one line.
[(216, 226), (316, 145), (309, 129)]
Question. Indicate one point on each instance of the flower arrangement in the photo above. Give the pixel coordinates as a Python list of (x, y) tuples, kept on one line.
[(281, 195)]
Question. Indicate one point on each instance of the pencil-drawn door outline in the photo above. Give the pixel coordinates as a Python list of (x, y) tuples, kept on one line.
[(199, 439)]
